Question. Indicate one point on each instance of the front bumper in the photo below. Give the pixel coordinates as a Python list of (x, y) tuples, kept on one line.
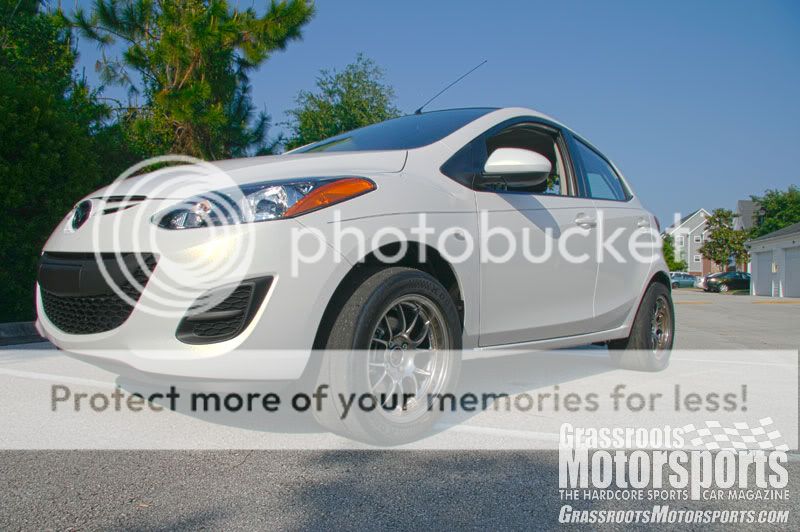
[(275, 345)]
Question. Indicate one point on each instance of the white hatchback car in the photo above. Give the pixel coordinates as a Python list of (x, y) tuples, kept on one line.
[(410, 240)]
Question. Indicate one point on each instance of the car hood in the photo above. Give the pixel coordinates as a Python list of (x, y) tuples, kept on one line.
[(202, 177)]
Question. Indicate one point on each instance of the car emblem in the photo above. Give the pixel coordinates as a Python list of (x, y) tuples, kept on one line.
[(82, 212)]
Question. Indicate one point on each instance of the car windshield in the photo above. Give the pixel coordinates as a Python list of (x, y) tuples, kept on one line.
[(404, 133)]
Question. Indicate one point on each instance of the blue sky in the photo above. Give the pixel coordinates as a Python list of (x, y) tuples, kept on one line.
[(696, 102)]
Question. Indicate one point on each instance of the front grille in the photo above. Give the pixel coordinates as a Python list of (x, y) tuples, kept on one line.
[(226, 319), (121, 203), (100, 311)]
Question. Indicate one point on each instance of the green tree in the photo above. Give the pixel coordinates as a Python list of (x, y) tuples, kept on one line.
[(55, 144), (674, 263), (355, 97), (723, 241), (189, 60), (781, 209)]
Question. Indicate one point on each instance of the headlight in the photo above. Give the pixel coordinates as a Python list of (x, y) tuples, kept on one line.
[(261, 202)]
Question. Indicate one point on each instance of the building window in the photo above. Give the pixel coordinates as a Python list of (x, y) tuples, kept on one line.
[(698, 238), (697, 258)]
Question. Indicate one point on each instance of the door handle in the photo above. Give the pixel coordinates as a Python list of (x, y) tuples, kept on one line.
[(585, 221)]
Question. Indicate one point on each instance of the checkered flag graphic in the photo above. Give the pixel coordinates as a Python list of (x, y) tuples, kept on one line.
[(740, 437)]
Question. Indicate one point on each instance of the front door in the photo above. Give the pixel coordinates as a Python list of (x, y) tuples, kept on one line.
[(537, 291), (522, 299)]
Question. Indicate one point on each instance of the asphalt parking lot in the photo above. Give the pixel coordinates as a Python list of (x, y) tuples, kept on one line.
[(297, 489), (729, 321)]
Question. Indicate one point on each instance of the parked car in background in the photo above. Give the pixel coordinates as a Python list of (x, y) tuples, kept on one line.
[(728, 281), (682, 279), (702, 282)]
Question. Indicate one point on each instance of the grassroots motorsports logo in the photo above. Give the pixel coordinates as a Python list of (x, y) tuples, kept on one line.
[(712, 462)]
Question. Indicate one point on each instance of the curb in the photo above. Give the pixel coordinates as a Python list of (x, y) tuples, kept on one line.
[(20, 332)]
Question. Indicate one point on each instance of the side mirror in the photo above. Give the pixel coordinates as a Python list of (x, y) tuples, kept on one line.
[(517, 167)]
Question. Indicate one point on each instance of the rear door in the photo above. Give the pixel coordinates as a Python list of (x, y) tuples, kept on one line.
[(621, 275)]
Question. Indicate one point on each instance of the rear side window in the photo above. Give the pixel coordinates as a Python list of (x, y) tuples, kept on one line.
[(601, 180)]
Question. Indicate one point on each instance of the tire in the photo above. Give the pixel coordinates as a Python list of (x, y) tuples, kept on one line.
[(722, 288), (380, 311), (636, 352), (674, 285)]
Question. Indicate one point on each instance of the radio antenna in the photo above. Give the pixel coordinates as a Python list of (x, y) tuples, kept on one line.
[(419, 111)]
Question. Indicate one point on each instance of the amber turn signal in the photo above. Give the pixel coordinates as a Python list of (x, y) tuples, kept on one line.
[(330, 194)]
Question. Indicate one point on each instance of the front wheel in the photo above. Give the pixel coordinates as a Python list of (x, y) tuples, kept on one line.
[(652, 333), (723, 288), (393, 348)]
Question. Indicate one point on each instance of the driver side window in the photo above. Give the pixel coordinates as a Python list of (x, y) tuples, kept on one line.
[(530, 137)]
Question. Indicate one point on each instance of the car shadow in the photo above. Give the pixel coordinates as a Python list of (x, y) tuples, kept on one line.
[(528, 205)]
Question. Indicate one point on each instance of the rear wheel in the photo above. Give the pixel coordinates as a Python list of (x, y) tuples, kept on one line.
[(652, 334), (394, 344)]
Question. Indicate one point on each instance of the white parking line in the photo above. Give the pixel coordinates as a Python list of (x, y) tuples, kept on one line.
[(508, 433), (740, 362), (792, 456), (49, 377)]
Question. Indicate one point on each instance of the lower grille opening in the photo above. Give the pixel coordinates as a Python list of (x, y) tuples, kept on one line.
[(226, 319), (77, 299)]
